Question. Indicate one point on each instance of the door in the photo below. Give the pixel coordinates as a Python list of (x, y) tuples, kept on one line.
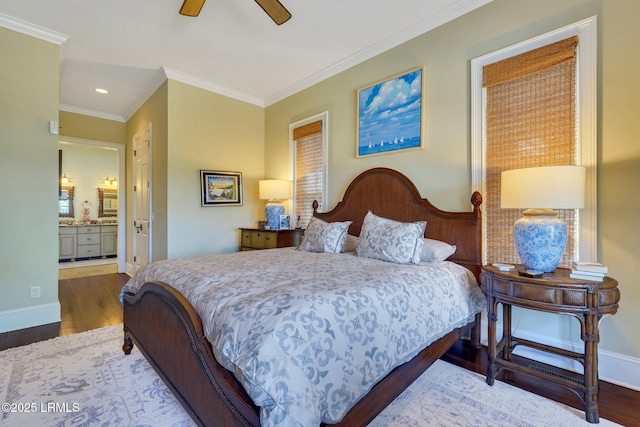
[(142, 198)]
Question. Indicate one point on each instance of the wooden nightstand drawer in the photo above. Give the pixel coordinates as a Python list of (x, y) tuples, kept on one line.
[(257, 239), (251, 239)]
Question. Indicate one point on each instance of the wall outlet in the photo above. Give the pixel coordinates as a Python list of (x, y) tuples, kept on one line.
[(35, 292)]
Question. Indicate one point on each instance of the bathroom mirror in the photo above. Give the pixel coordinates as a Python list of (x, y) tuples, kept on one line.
[(107, 202), (65, 202)]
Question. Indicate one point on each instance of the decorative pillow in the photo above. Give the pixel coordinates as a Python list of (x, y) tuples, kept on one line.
[(389, 240), (351, 244), (436, 251), (322, 236)]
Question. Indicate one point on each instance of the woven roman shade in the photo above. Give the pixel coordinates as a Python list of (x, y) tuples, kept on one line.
[(530, 120), (309, 170)]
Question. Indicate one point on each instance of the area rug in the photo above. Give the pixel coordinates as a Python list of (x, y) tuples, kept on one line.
[(77, 269), (86, 380)]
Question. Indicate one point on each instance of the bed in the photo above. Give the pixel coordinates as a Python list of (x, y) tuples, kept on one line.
[(170, 299)]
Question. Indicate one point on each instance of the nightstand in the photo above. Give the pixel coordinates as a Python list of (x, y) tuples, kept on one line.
[(253, 238), (553, 293)]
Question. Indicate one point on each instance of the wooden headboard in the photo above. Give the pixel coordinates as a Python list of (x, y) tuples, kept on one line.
[(390, 194)]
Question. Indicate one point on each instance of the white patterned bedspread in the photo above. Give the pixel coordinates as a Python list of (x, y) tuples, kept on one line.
[(309, 334)]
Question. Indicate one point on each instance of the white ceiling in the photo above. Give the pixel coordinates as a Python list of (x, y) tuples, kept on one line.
[(131, 46)]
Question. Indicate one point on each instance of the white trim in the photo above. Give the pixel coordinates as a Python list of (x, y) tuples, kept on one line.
[(91, 113), (29, 29), (586, 128), (134, 172), (122, 199), (211, 87), (324, 117), (28, 317), (614, 368), (445, 15), (158, 79)]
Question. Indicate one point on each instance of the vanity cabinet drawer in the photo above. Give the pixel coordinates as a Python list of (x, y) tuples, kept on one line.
[(89, 230), (85, 251), (67, 231), (88, 239)]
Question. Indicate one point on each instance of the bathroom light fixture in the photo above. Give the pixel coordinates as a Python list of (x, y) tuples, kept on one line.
[(110, 182), (102, 91)]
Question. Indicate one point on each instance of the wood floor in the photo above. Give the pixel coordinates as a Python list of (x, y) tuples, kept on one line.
[(85, 303), (92, 302)]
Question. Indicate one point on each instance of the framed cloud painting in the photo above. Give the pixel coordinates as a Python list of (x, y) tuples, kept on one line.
[(390, 115)]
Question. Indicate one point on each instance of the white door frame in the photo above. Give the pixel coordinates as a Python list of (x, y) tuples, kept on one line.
[(586, 128), (149, 221), (121, 256)]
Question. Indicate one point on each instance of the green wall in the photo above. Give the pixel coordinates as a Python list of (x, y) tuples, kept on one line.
[(92, 128), (28, 181), (193, 130), (442, 171), (208, 131)]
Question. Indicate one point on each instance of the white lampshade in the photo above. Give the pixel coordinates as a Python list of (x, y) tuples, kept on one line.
[(543, 187), (279, 189)]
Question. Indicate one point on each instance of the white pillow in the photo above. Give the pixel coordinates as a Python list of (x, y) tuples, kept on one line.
[(351, 243), (436, 251), (389, 240), (322, 236)]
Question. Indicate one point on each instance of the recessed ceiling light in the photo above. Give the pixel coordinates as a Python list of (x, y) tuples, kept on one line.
[(103, 91)]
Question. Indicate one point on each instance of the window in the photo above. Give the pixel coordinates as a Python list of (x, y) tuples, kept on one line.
[(534, 104), (309, 141)]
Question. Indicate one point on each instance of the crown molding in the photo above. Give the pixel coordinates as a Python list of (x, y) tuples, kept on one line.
[(158, 79), (206, 85), (24, 27), (447, 14), (92, 113)]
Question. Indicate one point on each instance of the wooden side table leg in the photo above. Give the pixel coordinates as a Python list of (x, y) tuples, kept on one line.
[(506, 331), (591, 338), (491, 337)]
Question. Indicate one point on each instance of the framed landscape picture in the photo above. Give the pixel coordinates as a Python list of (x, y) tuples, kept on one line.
[(390, 114), (220, 188)]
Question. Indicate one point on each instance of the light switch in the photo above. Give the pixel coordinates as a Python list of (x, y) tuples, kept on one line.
[(53, 127)]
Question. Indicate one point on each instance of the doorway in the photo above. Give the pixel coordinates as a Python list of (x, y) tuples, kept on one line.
[(142, 198), (87, 195)]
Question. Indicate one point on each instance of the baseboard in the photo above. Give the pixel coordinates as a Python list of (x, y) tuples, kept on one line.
[(612, 367), (129, 269), (28, 317)]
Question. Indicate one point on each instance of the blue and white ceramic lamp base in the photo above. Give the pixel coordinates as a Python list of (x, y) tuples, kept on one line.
[(273, 210), (540, 240)]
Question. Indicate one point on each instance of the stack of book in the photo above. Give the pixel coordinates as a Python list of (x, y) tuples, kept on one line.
[(585, 270)]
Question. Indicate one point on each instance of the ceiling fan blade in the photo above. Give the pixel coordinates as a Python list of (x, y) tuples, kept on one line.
[(191, 7), (274, 9)]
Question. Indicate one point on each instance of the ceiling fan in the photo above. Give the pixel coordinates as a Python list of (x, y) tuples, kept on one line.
[(273, 8)]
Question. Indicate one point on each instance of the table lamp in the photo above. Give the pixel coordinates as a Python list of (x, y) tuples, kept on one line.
[(540, 236), (274, 190)]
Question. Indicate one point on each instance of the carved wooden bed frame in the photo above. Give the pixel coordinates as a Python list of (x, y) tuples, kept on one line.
[(211, 394)]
